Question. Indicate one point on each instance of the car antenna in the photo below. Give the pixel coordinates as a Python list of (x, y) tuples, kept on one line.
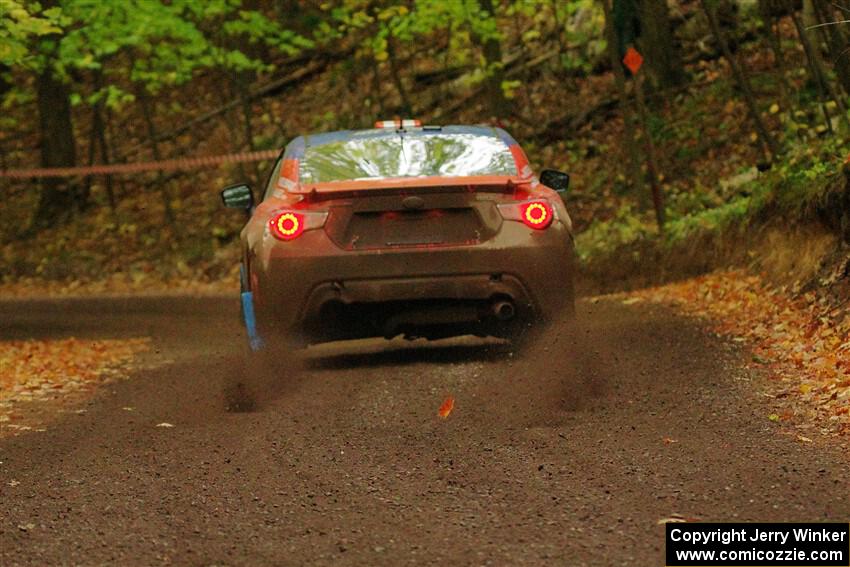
[(400, 132)]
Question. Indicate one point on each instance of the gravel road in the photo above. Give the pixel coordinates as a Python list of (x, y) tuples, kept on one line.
[(567, 454)]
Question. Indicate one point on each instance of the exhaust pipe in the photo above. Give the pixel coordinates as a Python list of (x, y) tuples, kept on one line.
[(504, 310)]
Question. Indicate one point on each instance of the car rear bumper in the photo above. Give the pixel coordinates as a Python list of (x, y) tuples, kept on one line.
[(321, 292)]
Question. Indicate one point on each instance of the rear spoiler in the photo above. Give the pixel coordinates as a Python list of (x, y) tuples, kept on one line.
[(485, 183), (505, 188)]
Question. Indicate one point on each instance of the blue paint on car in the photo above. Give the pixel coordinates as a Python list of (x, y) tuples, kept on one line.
[(254, 338)]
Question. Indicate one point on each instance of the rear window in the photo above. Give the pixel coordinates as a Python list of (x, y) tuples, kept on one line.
[(406, 155)]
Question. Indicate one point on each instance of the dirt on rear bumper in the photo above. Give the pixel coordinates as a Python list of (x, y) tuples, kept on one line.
[(432, 292)]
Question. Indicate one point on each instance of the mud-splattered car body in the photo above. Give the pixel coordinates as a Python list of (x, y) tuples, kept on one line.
[(407, 230)]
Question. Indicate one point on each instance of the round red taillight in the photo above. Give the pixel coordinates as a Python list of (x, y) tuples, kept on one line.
[(537, 214), (287, 225)]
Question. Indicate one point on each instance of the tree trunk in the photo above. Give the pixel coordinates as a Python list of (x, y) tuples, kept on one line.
[(376, 89), (161, 182), (99, 129), (5, 84), (498, 104), (406, 107), (771, 33), (233, 128), (633, 172), (561, 28), (239, 84), (836, 41), (98, 139), (819, 75), (657, 44), (744, 83), (651, 160), (59, 196), (113, 153)]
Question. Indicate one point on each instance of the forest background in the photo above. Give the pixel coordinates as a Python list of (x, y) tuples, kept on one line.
[(725, 148)]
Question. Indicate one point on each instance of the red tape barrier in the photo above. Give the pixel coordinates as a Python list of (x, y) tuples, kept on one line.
[(164, 165)]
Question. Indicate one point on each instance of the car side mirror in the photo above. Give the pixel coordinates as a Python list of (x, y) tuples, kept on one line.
[(557, 180), (238, 196)]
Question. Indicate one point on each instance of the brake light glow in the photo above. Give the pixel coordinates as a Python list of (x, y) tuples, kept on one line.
[(537, 214), (287, 225)]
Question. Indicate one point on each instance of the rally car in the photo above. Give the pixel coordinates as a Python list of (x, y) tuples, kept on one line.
[(419, 231)]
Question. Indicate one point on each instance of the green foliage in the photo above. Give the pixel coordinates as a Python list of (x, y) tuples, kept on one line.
[(256, 28), (428, 16), (510, 88), (111, 96), (20, 24), (793, 188), (628, 228), (799, 182), (584, 30), (466, 22), (735, 212), (166, 43), (604, 238)]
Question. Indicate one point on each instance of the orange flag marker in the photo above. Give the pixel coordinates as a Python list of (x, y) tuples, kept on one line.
[(633, 60)]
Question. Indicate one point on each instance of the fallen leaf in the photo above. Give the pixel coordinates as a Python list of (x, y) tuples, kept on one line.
[(33, 370), (801, 339), (447, 407), (674, 519)]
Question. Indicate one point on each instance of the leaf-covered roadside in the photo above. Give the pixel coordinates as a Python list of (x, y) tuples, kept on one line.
[(137, 283), (51, 369), (804, 342)]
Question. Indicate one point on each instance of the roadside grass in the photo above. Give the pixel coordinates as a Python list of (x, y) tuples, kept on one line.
[(803, 188)]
